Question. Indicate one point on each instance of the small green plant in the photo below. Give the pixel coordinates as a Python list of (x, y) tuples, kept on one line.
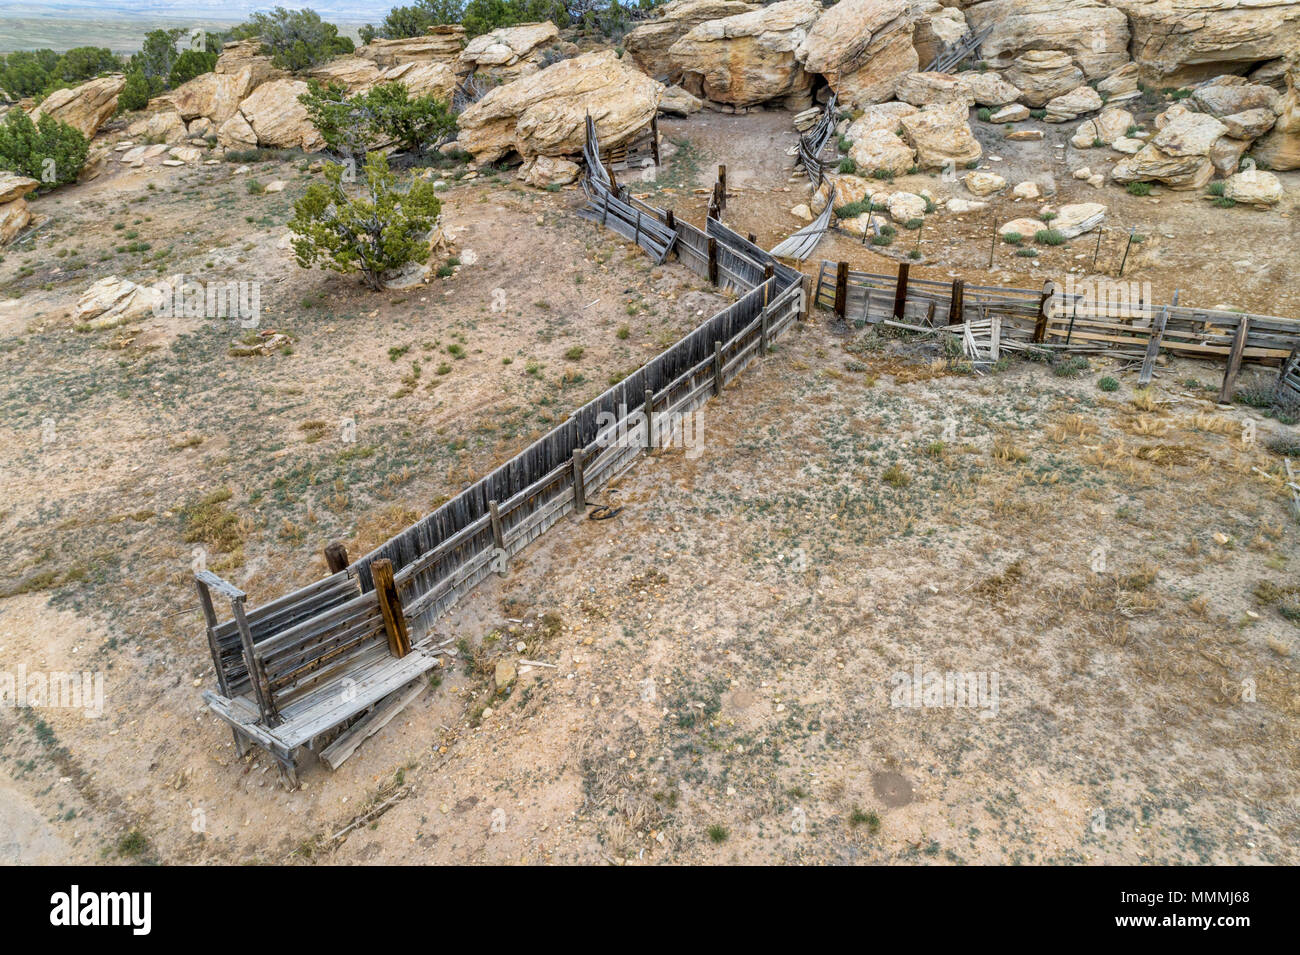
[(848, 166), (623, 333), (1012, 238), (1216, 188), (869, 819), (1071, 367), (1108, 384), (1048, 216), (1138, 188), (852, 210), (574, 353), (1038, 113), (1049, 237), (1026, 253), (913, 224), (1098, 142), (984, 114), (895, 476), (718, 833)]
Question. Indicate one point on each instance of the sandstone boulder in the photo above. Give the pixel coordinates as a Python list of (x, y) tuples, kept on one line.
[(165, 126), (241, 55), (547, 171), (278, 119), (1226, 153), (1112, 124), (236, 132), (1280, 148), (1077, 218), (922, 89), (650, 41), (443, 43), (905, 206), (1041, 75), (1093, 34), (14, 217), (862, 47), (941, 136), (880, 116), (354, 73), (1120, 85), (14, 186), (1179, 155), (508, 53), (1177, 42), (1254, 187), (984, 183), (1023, 227), (1224, 99), (748, 58), (1250, 123), (677, 102), (214, 95), (881, 151), (86, 107), (435, 78), (113, 301), (1014, 113), (544, 114), (1070, 106), (989, 88)]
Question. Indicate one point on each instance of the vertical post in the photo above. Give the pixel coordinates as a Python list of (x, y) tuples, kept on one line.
[(498, 534), (670, 219), (805, 297), (995, 337), (1097, 251), (900, 292), (957, 302), (256, 675), (579, 483), (654, 138), (390, 607), (993, 244), (649, 419), (336, 557), (1128, 245), (1234, 361), (717, 368), (613, 182), (713, 261), (636, 237), (722, 187), (1040, 324), (753, 239), (841, 290)]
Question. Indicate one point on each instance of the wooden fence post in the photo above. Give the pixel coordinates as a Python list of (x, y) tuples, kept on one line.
[(654, 138), (649, 419), (722, 187), (670, 219), (762, 333), (805, 296), (1040, 324), (1234, 361), (261, 688), (579, 482), (717, 368), (842, 290), (900, 292), (390, 606), (957, 302), (713, 261), (336, 557), (498, 534)]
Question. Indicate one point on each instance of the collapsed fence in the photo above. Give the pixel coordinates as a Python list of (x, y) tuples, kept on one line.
[(1070, 319), (328, 664)]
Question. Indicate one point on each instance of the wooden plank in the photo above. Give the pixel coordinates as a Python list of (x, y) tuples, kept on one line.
[(841, 290), (900, 292), (337, 752), (1153, 346), (336, 557), (1234, 361), (390, 606)]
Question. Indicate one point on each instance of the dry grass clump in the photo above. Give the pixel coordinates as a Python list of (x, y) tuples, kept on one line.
[(1072, 426), (1215, 424), (1144, 426), (1007, 451), (1144, 399)]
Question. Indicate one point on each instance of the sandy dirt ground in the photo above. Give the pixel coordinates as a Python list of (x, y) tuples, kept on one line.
[(723, 657)]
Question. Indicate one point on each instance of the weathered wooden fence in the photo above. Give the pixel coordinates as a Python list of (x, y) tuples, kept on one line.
[(814, 141), (347, 650), (1052, 318)]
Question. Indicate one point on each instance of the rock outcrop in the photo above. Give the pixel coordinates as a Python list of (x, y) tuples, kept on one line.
[(1253, 187), (14, 214), (862, 47), (650, 41), (544, 114), (1177, 42), (749, 58), (989, 88), (922, 89), (440, 43), (935, 28), (1095, 36), (214, 95), (1113, 123), (85, 107)]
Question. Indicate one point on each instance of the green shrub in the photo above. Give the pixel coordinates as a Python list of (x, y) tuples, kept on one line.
[(1138, 188), (852, 210), (913, 224), (413, 21), (1108, 384), (294, 39), (190, 64), (1027, 253), (984, 114), (848, 166), (85, 62), (353, 125), (482, 16), (1071, 367), (1049, 237), (383, 229), (1012, 238), (135, 94), (47, 149), (1216, 188), (28, 72)]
